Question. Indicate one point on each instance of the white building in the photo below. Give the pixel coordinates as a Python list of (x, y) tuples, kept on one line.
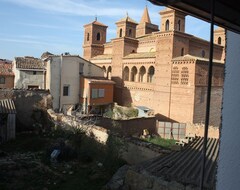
[(63, 78), (29, 73)]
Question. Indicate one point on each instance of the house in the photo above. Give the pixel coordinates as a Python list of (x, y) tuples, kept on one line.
[(6, 74), (224, 14), (63, 78), (162, 68), (7, 120), (29, 73), (96, 94)]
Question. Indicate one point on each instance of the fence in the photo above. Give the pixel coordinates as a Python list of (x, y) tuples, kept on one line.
[(170, 130)]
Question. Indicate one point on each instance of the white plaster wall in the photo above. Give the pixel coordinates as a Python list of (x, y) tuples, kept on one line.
[(228, 175), (90, 69), (70, 76), (53, 79)]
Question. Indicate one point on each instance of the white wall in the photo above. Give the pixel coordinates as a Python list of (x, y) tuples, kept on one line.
[(228, 175)]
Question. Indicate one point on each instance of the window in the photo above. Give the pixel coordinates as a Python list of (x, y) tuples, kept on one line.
[(88, 36), (175, 75), (120, 33), (98, 36), (130, 32), (101, 93), (219, 40), (98, 93), (203, 53), (179, 25), (2, 80), (167, 25), (66, 90), (34, 72), (94, 93), (182, 52), (184, 76)]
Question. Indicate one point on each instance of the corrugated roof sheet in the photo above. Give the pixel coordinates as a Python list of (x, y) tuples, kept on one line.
[(29, 63), (141, 55), (7, 106), (185, 166)]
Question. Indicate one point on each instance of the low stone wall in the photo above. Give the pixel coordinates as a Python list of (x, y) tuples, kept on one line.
[(198, 129), (129, 127), (28, 104), (136, 150)]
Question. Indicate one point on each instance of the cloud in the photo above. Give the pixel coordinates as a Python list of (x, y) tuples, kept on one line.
[(80, 7)]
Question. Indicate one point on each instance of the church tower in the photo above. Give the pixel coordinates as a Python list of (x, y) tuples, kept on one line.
[(220, 36), (145, 26), (172, 20), (94, 37), (126, 27)]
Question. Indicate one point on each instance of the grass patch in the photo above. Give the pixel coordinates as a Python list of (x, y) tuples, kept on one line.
[(166, 143)]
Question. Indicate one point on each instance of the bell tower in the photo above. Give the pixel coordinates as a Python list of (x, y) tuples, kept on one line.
[(145, 26), (126, 27), (94, 38), (172, 20)]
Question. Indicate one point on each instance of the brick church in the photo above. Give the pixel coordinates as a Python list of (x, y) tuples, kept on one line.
[(160, 67)]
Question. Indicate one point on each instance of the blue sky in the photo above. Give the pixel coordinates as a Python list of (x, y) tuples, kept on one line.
[(31, 27)]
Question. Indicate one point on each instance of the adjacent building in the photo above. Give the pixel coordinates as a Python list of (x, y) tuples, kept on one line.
[(63, 78), (164, 70), (96, 94), (29, 73), (6, 74)]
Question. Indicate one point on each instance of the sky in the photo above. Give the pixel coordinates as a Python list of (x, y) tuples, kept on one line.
[(31, 27)]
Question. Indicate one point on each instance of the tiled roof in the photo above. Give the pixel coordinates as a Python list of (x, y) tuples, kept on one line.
[(104, 56), (127, 19), (6, 68), (29, 63), (185, 166), (7, 106), (99, 80), (195, 58), (141, 55)]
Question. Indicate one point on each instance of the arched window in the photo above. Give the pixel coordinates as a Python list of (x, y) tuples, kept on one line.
[(109, 72), (98, 36), (133, 74), (151, 72), (167, 25), (130, 32), (126, 74), (184, 76), (175, 75), (182, 52), (203, 53), (105, 71), (142, 73), (219, 40), (88, 36), (179, 25), (120, 33)]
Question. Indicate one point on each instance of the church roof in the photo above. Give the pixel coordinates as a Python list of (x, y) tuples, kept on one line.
[(127, 19), (95, 22), (195, 58), (104, 56), (141, 55), (145, 16)]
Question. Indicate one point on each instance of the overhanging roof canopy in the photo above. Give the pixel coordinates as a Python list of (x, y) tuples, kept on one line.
[(226, 14)]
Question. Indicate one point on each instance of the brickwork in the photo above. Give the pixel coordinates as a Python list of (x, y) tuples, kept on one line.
[(162, 69)]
